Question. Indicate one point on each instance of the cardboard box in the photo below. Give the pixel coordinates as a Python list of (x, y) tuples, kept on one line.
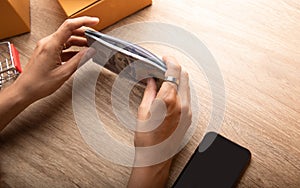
[(109, 11), (14, 17)]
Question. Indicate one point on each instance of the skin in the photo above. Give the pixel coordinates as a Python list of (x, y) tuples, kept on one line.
[(50, 67), (47, 69), (178, 105)]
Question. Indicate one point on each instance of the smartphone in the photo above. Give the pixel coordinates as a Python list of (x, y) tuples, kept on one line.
[(216, 163)]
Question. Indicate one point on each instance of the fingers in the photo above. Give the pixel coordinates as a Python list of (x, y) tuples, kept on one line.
[(174, 70), (75, 41), (148, 98), (68, 68), (81, 31), (173, 67), (172, 96), (66, 30), (184, 89), (66, 56)]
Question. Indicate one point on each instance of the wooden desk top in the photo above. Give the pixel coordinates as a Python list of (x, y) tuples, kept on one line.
[(257, 47)]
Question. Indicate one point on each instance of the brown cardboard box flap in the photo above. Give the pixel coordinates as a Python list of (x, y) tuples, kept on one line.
[(14, 17), (73, 6), (109, 11)]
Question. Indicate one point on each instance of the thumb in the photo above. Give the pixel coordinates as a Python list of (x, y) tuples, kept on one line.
[(148, 98)]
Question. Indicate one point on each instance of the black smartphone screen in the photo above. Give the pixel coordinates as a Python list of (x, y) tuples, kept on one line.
[(219, 166)]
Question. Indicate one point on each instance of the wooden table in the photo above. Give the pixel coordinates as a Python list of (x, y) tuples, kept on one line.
[(256, 45)]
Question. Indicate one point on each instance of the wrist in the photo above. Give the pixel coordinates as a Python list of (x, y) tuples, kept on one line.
[(152, 169), (12, 102), (18, 95), (158, 168), (150, 176)]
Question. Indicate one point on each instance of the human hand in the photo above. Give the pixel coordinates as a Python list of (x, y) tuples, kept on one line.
[(172, 104), (49, 66), (175, 101)]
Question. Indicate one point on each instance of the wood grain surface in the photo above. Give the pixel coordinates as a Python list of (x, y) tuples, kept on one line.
[(257, 47)]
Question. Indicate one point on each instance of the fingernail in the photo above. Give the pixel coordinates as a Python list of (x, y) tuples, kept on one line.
[(96, 19)]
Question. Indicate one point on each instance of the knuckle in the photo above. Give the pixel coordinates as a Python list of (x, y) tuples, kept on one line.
[(171, 105), (172, 63), (141, 108), (185, 109), (86, 18), (72, 39), (190, 114), (187, 120), (177, 67), (178, 111), (68, 23), (54, 36), (171, 99), (40, 43), (185, 74)]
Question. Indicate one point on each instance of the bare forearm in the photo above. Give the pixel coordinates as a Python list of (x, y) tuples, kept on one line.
[(152, 176), (12, 102)]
